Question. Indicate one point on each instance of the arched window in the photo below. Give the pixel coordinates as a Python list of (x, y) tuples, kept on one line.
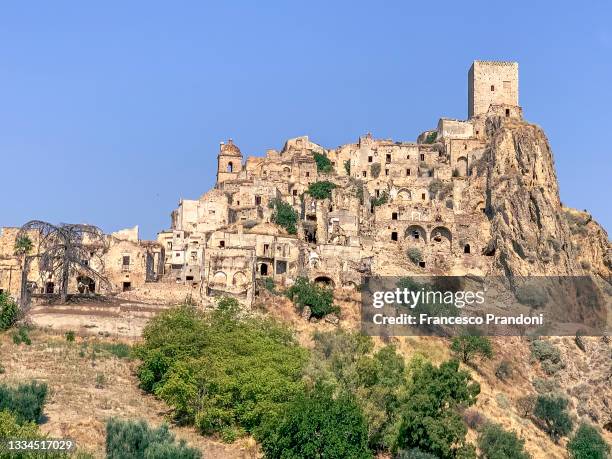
[(466, 248), (230, 167)]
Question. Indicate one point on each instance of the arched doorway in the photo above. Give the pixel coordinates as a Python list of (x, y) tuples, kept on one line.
[(263, 269), (86, 284)]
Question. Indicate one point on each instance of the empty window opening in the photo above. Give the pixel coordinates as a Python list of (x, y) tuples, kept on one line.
[(281, 267), (230, 167), (388, 158), (221, 244), (421, 264), (386, 171), (307, 174), (126, 260), (294, 192), (257, 200), (263, 269), (364, 174), (466, 248), (377, 193), (127, 286), (422, 156), (423, 196), (266, 249), (394, 236), (370, 159), (394, 216), (431, 173), (507, 112), (492, 87), (237, 203), (407, 172), (416, 234), (189, 278), (465, 146)]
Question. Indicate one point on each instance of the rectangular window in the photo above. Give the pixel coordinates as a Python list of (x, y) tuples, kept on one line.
[(422, 156), (394, 216), (407, 172), (423, 196), (388, 158), (394, 236), (370, 159), (221, 244), (364, 173), (126, 260), (257, 200), (386, 171)]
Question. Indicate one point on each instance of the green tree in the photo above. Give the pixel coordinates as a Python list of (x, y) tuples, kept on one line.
[(131, 439), (430, 420), (323, 163), (347, 166), (587, 443), (8, 311), (321, 190), (11, 429), (496, 443), (346, 362), (219, 371), (284, 215), (319, 299), (553, 412), (317, 425), (466, 347)]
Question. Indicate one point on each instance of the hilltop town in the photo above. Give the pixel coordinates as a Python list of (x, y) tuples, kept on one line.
[(475, 196)]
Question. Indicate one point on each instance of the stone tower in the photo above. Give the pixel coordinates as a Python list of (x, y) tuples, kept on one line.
[(229, 161), (492, 83)]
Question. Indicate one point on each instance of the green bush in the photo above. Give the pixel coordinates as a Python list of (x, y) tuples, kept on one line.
[(317, 425), (321, 190), (284, 215), (345, 361), (552, 411), (22, 336), (414, 255), (548, 355), (504, 370), (496, 443), (135, 439), (70, 336), (323, 163), (414, 453), (347, 166), (466, 347), (431, 420), (382, 199), (218, 371), (119, 350), (8, 311), (587, 443), (11, 429), (532, 295), (431, 137), (25, 401), (319, 299), (269, 284)]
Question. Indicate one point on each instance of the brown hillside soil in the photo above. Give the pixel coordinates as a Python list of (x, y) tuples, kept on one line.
[(86, 388)]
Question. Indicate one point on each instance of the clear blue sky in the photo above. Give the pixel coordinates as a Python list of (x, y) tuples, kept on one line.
[(112, 111)]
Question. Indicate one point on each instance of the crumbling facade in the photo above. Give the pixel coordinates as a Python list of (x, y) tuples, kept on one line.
[(393, 208)]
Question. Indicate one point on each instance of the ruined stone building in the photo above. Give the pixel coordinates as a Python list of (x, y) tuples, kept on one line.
[(470, 196)]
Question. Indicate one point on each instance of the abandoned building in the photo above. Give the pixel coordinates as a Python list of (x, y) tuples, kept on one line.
[(395, 208)]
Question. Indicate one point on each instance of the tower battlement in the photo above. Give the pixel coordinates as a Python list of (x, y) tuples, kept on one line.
[(492, 83)]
